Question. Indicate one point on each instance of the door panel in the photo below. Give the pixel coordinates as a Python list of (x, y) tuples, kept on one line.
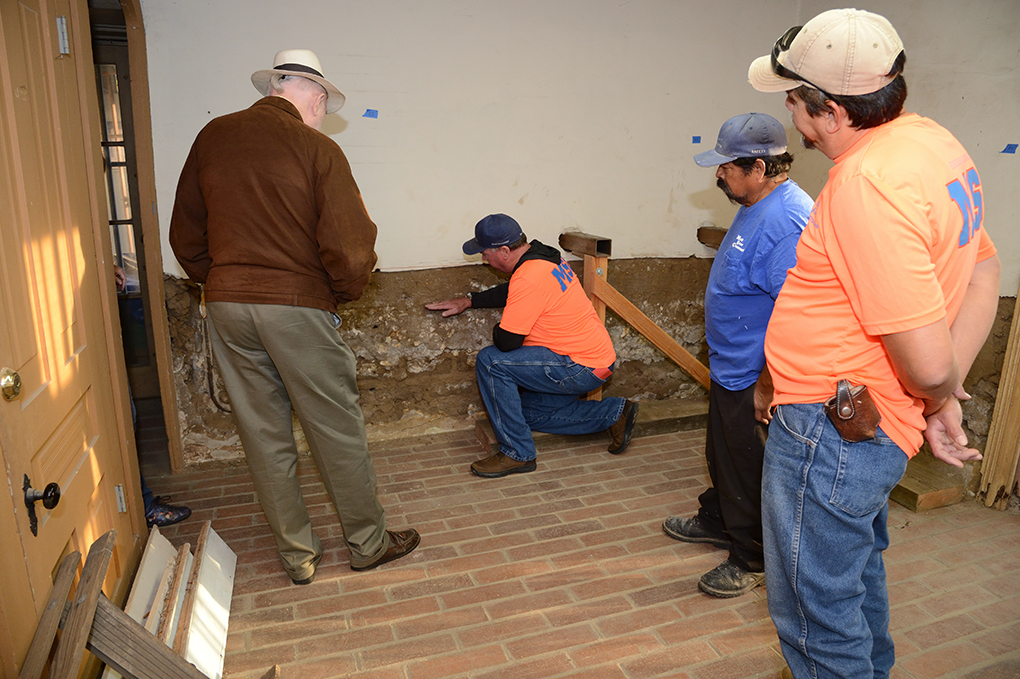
[(62, 428)]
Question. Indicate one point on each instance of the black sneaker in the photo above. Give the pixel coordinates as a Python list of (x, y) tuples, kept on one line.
[(691, 530), (729, 580), (163, 514)]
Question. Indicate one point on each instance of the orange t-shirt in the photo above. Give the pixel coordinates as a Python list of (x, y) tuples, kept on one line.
[(547, 304), (890, 246)]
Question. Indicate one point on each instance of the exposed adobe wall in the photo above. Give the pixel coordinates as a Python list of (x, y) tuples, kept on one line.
[(416, 369)]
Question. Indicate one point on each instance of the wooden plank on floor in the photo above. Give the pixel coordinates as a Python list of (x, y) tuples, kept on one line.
[(157, 554), (175, 596), (159, 602), (929, 483), (206, 642), (188, 605)]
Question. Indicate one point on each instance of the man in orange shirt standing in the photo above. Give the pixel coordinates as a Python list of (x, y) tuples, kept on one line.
[(895, 289), (549, 349)]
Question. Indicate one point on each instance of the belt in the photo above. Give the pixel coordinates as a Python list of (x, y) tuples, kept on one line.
[(602, 373)]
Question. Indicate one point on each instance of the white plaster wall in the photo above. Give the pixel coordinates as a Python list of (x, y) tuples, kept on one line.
[(566, 114)]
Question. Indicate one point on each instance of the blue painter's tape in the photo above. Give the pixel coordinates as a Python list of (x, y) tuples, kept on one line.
[(1010, 148), (371, 113), (696, 139)]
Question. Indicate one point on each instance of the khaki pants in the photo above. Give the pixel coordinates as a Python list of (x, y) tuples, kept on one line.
[(272, 357)]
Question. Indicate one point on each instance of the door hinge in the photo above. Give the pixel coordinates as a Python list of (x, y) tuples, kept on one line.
[(65, 45), (121, 504)]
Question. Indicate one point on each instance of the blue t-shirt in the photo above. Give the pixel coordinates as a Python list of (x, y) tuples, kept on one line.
[(747, 274)]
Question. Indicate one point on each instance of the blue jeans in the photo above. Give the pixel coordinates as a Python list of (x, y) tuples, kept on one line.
[(534, 389), (824, 509)]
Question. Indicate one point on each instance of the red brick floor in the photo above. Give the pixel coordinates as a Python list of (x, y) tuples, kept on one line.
[(566, 572)]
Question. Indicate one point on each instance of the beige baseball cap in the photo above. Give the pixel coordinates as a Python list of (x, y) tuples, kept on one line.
[(841, 52), (301, 63)]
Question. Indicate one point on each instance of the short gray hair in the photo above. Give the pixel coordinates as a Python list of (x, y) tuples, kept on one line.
[(276, 83)]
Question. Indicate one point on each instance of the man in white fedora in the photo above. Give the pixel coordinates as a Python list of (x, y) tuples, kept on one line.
[(895, 289), (270, 220)]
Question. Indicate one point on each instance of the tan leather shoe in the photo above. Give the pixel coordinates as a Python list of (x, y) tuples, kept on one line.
[(499, 465), (623, 428), (404, 542)]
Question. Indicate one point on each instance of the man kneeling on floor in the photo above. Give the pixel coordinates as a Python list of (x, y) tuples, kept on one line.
[(549, 349)]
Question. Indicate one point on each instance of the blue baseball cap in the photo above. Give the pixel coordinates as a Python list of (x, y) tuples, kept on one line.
[(493, 231), (748, 135)]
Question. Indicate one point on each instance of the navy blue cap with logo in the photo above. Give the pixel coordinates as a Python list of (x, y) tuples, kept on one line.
[(749, 135), (492, 232)]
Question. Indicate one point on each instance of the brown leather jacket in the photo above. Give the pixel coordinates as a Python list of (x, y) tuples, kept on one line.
[(267, 212)]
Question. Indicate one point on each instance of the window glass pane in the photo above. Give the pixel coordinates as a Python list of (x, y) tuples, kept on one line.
[(115, 154), (128, 255), (111, 102), (119, 193)]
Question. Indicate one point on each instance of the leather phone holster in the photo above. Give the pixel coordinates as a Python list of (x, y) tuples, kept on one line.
[(853, 413)]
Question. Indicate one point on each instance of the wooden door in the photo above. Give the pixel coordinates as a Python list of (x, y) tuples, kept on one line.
[(62, 427)]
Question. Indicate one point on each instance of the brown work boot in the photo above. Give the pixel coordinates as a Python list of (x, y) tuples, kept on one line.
[(404, 542), (499, 465), (623, 428), (729, 580)]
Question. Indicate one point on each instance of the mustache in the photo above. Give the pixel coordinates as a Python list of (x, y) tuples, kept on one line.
[(726, 189)]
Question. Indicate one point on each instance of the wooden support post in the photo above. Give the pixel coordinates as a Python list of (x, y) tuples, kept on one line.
[(596, 251), (1002, 449), (593, 268)]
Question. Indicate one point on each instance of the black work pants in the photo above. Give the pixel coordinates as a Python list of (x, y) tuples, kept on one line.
[(735, 449)]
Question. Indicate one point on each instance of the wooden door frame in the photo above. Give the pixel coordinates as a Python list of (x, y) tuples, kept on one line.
[(142, 121)]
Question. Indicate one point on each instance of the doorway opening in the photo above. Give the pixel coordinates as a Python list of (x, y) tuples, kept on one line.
[(113, 82)]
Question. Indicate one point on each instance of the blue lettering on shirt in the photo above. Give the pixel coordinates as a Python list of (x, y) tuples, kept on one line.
[(970, 199), (564, 274)]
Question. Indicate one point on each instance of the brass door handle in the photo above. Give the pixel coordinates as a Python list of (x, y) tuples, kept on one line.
[(10, 383)]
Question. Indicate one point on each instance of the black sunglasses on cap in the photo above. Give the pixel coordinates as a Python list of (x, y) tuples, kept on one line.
[(783, 45)]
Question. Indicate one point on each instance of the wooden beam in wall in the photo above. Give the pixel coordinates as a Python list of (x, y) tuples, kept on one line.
[(711, 236)]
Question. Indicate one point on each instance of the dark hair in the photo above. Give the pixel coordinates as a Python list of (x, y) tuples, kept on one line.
[(774, 165), (519, 243), (864, 110)]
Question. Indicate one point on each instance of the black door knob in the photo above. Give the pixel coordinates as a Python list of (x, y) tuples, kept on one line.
[(50, 496)]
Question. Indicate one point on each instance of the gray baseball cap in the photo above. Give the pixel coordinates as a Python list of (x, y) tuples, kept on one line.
[(748, 135)]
